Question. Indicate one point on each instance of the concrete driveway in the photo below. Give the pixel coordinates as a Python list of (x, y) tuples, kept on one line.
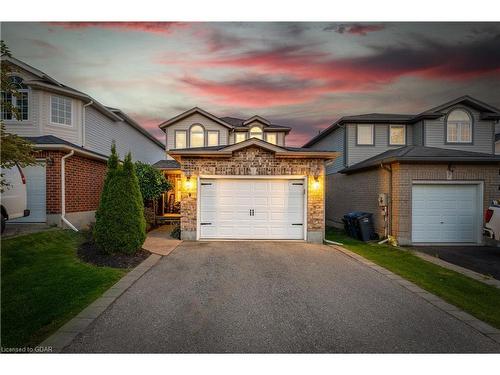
[(482, 259), (269, 297)]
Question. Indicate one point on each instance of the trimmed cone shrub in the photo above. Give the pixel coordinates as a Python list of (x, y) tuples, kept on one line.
[(120, 225)]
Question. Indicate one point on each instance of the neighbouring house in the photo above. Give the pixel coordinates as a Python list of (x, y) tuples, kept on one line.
[(437, 171), (72, 135), (237, 179)]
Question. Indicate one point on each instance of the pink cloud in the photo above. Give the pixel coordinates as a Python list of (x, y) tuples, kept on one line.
[(147, 27)]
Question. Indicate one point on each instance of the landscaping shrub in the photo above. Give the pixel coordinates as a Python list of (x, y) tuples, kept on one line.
[(120, 225), (176, 232)]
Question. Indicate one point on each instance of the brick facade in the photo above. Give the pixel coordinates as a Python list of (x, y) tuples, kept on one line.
[(258, 162), (359, 191), (84, 181)]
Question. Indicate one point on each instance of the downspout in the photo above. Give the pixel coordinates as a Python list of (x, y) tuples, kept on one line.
[(83, 121), (389, 204), (63, 190)]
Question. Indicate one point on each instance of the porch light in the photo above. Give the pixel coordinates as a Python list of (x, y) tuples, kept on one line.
[(315, 184), (189, 183)]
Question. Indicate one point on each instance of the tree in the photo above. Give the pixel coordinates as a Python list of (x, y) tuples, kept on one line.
[(120, 225), (151, 181), (14, 149)]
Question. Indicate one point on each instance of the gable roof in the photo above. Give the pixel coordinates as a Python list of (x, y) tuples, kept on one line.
[(227, 150), (228, 122), (490, 112), (191, 111), (167, 164), (257, 118), (423, 154)]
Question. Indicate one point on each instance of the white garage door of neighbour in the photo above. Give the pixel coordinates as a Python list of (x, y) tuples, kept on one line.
[(251, 209), (445, 213), (35, 189)]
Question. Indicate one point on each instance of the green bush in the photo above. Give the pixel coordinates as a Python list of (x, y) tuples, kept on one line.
[(120, 225), (151, 181)]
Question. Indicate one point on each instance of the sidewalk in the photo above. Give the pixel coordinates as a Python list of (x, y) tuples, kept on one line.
[(158, 241)]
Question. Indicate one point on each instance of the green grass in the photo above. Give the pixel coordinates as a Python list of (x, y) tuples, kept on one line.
[(472, 296), (44, 284)]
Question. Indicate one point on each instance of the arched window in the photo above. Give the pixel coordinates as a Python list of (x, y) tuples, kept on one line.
[(256, 132), (196, 136), (15, 107), (459, 127)]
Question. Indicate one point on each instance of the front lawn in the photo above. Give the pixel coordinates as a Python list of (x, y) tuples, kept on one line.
[(474, 297), (44, 284)]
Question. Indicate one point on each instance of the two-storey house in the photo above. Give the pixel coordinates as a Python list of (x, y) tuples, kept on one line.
[(72, 135), (236, 179), (427, 178)]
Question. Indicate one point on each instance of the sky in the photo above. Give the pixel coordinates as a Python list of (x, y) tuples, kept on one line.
[(303, 75)]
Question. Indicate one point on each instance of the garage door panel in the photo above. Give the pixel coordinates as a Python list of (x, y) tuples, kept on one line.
[(36, 194), (445, 213), (276, 204)]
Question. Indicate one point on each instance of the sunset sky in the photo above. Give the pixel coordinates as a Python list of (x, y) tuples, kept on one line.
[(304, 75)]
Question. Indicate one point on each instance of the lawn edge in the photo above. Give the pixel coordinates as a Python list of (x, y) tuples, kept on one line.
[(457, 313), (56, 342)]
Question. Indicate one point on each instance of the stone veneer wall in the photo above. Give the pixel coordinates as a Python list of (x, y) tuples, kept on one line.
[(259, 162)]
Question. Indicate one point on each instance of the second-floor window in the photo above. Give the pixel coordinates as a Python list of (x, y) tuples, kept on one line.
[(256, 132), (397, 135), (60, 110), (213, 138), (272, 138), (196, 136), (18, 102), (180, 139), (364, 134), (459, 127), (239, 137)]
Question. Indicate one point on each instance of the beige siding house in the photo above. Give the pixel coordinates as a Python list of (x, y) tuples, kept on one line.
[(236, 179)]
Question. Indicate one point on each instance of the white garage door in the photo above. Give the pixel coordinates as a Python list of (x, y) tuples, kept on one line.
[(35, 187), (251, 209), (445, 213)]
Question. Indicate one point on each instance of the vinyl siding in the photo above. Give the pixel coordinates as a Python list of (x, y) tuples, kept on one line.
[(196, 118), (358, 153), (435, 135), (100, 131), (418, 133), (30, 127), (71, 133), (333, 142)]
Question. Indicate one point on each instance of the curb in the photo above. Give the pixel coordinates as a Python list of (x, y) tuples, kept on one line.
[(68, 332), (478, 325), (464, 271)]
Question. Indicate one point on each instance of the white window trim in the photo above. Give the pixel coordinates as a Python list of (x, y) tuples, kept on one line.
[(245, 136), (373, 135), (218, 137), (185, 138), (404, 135), (250, 132), (275, 136), (203, 132), (62, 125), (459, 133), (14, 104)]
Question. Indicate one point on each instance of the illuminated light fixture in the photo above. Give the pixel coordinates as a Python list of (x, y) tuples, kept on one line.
[(315, 184), (189, 183)]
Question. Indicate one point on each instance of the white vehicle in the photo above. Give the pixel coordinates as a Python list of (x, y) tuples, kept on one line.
[(14, 198), (492, 221)]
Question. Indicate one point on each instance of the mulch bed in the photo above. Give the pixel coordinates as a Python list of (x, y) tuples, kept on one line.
[(90, 253)]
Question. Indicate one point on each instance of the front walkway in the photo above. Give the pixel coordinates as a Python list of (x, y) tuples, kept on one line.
[(266, 297), (158, 241)]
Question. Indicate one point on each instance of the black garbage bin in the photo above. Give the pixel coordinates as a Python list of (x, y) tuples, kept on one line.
[(351, 225), (365, 227)]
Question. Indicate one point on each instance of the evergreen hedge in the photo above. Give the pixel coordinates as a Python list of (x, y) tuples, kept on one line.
[(120, 226)]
